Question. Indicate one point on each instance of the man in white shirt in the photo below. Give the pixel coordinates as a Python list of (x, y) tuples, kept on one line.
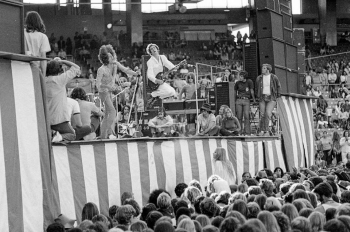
[(156, 65), (267, 91), (75, 119)]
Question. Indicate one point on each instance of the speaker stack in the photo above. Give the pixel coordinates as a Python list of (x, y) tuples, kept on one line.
[(275, 41)]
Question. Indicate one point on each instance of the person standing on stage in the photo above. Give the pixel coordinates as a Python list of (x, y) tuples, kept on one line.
[(189, 90), (242, 93), (106, 84), (36, 42), (267, 91), (156, 65)]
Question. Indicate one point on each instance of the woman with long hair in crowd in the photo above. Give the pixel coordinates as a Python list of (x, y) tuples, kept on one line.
[(36, 42), (335, 154), (106, 84), (223, 166), (344, 146)]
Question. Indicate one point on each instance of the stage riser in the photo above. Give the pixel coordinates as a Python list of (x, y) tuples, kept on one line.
[(100, 172)]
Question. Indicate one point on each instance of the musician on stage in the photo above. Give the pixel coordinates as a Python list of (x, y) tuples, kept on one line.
[(156, 65), (267, 91), (106, 84), (161, 125)]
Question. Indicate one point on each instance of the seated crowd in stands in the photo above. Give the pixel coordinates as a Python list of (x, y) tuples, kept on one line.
[(309, 200)]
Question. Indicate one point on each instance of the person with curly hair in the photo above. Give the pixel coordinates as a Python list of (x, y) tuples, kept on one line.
[(125, 214), (106, 84)]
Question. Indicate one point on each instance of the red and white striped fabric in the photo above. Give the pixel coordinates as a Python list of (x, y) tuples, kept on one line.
[(101, 172), (26, 200), (296, 117)]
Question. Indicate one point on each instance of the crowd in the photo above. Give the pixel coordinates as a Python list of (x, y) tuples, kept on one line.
[(305, 200)]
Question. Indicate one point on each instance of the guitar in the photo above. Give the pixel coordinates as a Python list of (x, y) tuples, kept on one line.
[(163, 76)]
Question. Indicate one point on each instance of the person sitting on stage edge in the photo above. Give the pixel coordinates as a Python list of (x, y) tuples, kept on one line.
[(124, 128), (207, 122), (267, 91), (243, 91), (90, 114), (230, 125), (161, 125), (156, 65), (56, 97)]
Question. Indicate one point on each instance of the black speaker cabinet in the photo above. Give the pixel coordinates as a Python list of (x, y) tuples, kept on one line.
[(288, 35), (281, 73), (272, 52), (270, 24), (11, 26), (299, 38), (250, 57), (85, 9), (301, 62), (291, 57), (287, 20), (268, 4), (292, 81), (224, 95)]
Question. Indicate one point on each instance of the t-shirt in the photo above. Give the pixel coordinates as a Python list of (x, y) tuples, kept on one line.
[(73, 108), (266, 84), (243, 88), (36, 43), (204, 122), (56, 95), (326, 142)]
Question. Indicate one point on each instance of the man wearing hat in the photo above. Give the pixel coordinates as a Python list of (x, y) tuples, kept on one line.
[(156, 65), (242, 93), (206, 122), (267, 91)]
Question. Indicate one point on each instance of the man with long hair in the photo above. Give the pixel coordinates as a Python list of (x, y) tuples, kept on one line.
[(267, 91), (161, 125)]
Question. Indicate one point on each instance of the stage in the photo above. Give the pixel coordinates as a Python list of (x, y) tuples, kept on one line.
[(100, 171)]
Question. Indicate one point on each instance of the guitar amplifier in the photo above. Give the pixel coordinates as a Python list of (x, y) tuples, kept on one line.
[(191, 104), (224, 95), (173, 105)]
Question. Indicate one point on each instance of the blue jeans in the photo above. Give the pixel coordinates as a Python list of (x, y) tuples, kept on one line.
[(110, 114), (242, 109), (266, 108)]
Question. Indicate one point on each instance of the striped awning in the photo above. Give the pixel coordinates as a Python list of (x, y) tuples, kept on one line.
[(296, 117), (101, 172), (25, 176)]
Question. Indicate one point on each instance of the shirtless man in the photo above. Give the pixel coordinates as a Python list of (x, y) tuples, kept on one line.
[(89, 112)]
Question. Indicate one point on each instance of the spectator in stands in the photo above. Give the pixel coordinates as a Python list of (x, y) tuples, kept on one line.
[(161, 125), (36, 42), (343, 91), (230, 125), (324, 79), (327, 146), (243, 92), (57, 98), (69, 46), (206, 121), (332, 77), (267, 91), (62, 54)]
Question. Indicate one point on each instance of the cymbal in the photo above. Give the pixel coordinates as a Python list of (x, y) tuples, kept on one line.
[(78, 82)]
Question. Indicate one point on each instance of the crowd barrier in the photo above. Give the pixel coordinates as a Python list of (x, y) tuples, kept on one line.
[(100, 172)]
